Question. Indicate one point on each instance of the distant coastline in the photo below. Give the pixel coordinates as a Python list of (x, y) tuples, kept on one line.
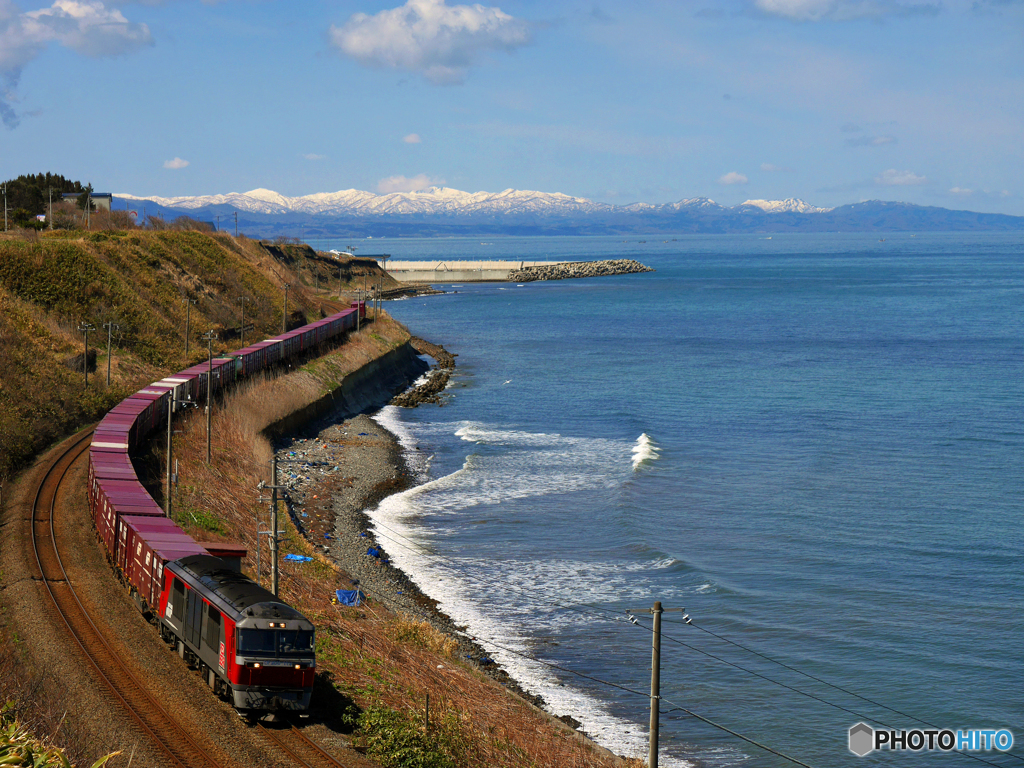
[(441, 212)]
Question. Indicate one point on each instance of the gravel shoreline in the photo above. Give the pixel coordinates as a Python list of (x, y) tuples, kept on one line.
[(335, 471)]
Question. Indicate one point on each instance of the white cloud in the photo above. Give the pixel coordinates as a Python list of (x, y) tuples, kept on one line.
[(769, 168), (176, 163), (802, 10), (844, 10), (85, 26), (871, 141), (312, 156), (961, 191), (894, 178), (733, 178), (402, 184), (412, 138), (429, 37)]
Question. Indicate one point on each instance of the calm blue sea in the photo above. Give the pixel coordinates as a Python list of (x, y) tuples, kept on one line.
[(813, 443)]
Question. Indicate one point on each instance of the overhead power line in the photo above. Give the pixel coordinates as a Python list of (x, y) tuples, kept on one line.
[(410, 545)]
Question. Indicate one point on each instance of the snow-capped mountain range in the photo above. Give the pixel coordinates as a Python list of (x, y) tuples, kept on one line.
[(444, 200), (445, 211)]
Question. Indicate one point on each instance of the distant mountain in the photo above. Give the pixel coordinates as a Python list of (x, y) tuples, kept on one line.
[(349, 202), (445, 211)]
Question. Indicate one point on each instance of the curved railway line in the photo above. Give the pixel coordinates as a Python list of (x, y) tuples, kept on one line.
[(118, 683), (176, 744)]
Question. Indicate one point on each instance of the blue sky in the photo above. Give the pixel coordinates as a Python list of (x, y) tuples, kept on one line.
[(830, 101)]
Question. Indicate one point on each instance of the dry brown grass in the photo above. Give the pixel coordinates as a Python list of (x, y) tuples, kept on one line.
[(373, 656)]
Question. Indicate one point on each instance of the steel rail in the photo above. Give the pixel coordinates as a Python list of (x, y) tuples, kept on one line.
[(119, 680), (282, 741)]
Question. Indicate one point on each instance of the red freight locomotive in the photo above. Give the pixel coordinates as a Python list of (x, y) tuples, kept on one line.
[(251, 647), (248, 645)]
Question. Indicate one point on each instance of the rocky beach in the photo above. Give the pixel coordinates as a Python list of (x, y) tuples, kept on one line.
[(334, 471)]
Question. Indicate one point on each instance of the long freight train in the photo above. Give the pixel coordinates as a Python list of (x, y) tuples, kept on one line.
[(250, 647)]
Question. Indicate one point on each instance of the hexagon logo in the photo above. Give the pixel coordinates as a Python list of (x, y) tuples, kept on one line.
[(862, 739)]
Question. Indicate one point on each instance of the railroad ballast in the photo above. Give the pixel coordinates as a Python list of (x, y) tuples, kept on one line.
[(250, 647)]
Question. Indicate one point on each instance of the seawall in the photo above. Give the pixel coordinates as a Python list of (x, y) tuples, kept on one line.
[(458, 271), (367, 388), (507, 271)]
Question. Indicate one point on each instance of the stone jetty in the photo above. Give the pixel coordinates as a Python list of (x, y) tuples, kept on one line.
[(571, 269)]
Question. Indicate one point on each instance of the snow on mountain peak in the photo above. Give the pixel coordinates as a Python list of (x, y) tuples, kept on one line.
[(439, 200), (789, 205)]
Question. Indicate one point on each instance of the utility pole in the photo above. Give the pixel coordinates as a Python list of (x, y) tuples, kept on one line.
[(188, 321), (273, 527), (284, 318), (85, 328), (274, 488), (5, 207), (656, 611), (242, 300), (110, 328), (209, 336), (49, 217), (170, 419)]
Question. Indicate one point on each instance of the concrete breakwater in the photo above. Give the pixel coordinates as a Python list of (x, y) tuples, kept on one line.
[(457, 271), (506, 271), (572, 269)]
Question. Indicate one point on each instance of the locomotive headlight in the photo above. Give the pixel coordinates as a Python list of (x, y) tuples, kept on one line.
[(256, 665), (298, 666)]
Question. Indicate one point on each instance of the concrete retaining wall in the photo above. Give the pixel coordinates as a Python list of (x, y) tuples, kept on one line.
[(458, 271), (366, 389)]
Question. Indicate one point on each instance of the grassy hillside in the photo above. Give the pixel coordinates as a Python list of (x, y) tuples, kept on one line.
[(51, 284)]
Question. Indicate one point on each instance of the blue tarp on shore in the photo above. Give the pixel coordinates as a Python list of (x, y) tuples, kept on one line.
[(353, 597)]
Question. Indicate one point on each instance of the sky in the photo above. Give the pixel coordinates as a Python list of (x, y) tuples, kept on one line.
[(829, 101)]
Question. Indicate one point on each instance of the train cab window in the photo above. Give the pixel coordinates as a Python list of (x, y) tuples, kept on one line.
[(178, 600), (257, 641), (294, 641), (275, 642)]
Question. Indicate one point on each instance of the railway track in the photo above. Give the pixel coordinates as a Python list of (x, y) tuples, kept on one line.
[(297, 745), (177, 746)]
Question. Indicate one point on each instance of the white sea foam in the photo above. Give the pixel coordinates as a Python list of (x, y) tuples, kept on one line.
[(389, 418), (645, 450), (494, 605)]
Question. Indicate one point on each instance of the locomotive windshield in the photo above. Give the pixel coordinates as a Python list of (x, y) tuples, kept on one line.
[(275, 642)]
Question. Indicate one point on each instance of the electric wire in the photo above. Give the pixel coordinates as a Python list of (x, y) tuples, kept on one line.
[(809, 695), (737, 735), (408, 544), (643, 694), (825, 682), (413, 546), (491, 642)]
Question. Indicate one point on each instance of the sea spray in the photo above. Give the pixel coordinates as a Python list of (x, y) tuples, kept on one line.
[(645, 450)]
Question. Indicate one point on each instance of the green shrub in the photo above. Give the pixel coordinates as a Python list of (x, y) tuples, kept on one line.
[(399, 740)]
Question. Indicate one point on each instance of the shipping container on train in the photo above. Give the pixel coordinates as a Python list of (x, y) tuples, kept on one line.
[(116, 466), (251, 647)]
